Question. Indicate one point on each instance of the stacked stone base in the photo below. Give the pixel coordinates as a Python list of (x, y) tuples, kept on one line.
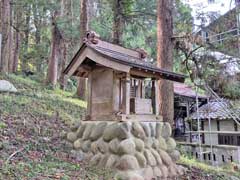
[(134, 150)]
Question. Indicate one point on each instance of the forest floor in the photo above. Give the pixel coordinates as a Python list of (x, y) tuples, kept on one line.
[(33, 122)]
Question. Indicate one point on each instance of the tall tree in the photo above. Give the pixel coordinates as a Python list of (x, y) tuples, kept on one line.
[(17, 19), (52, 74), (37, 20), (118, 23), (11, 45), (66, 14), (24, 64), (81, 89), (165, 56), (6, 35)]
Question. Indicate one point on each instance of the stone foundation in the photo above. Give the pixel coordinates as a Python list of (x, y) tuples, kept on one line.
[(135, 150)]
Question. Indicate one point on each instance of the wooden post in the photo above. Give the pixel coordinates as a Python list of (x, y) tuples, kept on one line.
[(127, 92), (120, 94), (156, 98), (143, 89), (153, 96), (139, 89), (188, 109), (89, 105)]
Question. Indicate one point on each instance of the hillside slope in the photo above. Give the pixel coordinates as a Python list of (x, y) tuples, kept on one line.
[(33, 122)]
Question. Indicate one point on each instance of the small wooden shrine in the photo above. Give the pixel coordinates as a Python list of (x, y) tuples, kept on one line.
[(116, 80)]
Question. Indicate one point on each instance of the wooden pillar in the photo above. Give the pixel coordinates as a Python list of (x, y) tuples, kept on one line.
[(127, 92), (188, 114), (153, 96), (188, 109), (156, 98), (143, 89), (89, 99), (116, 93), (120, 94), (139, 88)]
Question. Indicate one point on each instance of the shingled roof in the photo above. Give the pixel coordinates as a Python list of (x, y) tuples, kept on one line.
[(134, 58), (186, 91), (215, 110)]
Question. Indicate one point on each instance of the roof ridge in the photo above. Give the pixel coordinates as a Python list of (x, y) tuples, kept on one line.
[(94, 39)]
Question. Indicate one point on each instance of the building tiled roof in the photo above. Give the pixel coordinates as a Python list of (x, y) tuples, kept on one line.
[(186, 90), (134, 61), (215, 110), (130, 57)]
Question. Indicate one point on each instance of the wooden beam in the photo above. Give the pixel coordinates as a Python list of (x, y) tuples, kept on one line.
[(120, 74), (86, 67), (144, 74), (214, 132), (79, 61)]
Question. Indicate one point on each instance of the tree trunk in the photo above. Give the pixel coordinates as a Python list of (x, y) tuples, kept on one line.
[(66, 12), (81, 89), (38, 25), (83, 19), (165, 57), (6, 31), (16, 52), (11, 45), (17, 17), (24, 66), (52, 74), (62, 79), (118, 23)]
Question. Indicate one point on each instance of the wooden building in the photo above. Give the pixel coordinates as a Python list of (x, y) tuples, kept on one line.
[(116, 80), (184, 105), (219, 133)]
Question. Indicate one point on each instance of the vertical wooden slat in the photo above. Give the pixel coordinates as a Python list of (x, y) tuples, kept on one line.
[(156, 98)]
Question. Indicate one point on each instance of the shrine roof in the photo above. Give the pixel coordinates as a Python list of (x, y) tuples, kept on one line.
[(136, 59)]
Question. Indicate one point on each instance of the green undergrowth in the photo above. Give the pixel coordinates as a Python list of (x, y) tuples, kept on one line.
[(35, 98), (226, 172), (33, 126), (48, 168)]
